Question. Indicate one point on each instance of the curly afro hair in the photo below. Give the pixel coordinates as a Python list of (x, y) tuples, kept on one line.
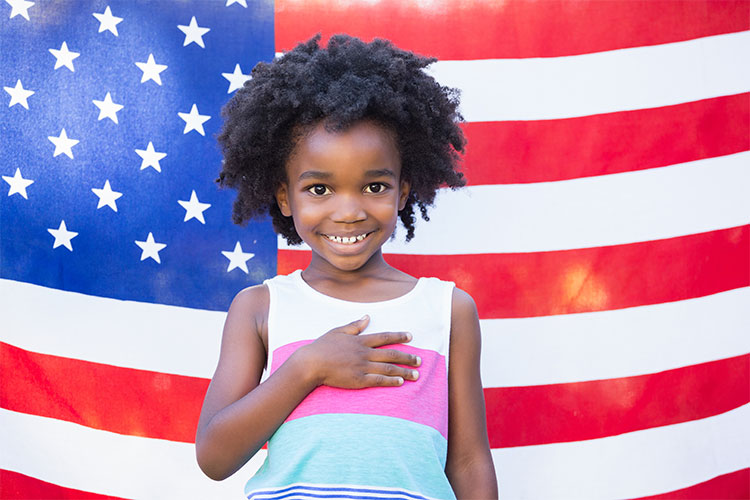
[(346, 82)]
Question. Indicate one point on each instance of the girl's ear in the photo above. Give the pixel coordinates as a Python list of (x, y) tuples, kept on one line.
[(403, 194), (282, 200)]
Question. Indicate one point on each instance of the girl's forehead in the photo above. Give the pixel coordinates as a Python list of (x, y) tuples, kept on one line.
[(364, 144), (362, 133)]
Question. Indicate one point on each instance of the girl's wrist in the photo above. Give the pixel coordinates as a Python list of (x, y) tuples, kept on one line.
[(303, 368)]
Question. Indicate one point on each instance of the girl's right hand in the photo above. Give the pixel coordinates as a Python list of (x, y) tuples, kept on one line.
[(343, 358)]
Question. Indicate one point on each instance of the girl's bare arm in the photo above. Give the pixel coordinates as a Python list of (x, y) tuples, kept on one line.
[(239, 414), (469, 466)]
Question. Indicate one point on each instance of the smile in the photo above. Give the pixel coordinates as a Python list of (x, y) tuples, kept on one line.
[(346, 240)]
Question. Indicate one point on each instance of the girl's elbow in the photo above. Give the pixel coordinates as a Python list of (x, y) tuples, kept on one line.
[(210, 466), (205, 462), (209, 461), (212, 474), (216, 475), (220, 458)]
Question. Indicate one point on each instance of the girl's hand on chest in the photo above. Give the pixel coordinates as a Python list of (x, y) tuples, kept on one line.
[(345, 359)]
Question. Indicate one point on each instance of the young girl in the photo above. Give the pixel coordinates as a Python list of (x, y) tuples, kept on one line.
[(373, 388)]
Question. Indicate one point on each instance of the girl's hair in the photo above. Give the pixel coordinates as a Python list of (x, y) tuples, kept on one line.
[(341, 84)]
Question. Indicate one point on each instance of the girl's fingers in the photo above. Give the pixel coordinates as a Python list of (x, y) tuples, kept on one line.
[(386, 338), (374, 380), (389, 370), (394, 356), (355, 327)]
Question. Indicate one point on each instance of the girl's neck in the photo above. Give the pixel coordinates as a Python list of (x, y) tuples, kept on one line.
[(376, 280), (320, 269)]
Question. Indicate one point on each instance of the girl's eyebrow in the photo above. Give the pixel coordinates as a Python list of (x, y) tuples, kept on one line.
[(381, 172), (318, 175), (314, 174)]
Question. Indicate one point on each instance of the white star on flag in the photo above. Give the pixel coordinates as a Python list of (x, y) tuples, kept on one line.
[(107, 21), (241, 2), (194, 120), (17, 184), (107, 108), (63, 144), (150, 157), (193, 33), (194, 208), (62, 236), (19, 7), (64, 57), (151, 70), (236, 79), (106, 196), (238, 258), (18, 95), (150, 248)]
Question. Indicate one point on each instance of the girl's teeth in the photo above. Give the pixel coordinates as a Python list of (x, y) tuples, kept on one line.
[(347, 240)]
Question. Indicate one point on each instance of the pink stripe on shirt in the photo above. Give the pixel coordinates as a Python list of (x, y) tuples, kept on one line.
[(431, 388)]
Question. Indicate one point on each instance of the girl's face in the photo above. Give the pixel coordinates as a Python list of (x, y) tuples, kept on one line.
[(344, 191)]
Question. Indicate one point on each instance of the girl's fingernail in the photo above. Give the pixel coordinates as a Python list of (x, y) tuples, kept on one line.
[(408, 336), (364, 317), (399, 380), (419, 361), (415, 374)]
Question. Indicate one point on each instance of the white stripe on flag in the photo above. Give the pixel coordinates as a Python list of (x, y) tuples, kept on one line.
[(603, 82), (161, 338), (627, 207), (79, 457), (630, 465), (626, 342)]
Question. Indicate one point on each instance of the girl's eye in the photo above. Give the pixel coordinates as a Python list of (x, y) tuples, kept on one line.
[(375, 187), (318, 189)]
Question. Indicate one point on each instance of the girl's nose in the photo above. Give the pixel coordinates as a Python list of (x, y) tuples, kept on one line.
[(349, 209)]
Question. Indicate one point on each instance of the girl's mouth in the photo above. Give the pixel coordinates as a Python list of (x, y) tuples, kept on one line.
[(347, 240)]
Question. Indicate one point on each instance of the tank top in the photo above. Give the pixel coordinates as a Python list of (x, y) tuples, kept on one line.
[(373, 443)]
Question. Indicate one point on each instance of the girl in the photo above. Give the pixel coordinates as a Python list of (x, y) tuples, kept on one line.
[(373, 386)]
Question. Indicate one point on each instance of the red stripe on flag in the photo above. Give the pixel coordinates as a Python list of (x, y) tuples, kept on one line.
[(515, 152), (116, 399), (486, 30), (515, 285), (19, 486), (732, 486), (522, 416)]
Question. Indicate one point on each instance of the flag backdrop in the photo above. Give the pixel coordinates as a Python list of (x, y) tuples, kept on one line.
[(604, 234)]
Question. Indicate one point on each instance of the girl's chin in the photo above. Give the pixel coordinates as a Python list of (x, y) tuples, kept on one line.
[(345, 260)]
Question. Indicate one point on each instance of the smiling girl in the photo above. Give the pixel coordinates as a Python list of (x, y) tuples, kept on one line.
[(372, 386)]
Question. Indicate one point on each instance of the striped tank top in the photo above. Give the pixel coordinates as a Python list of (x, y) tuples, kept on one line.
[(374, 443)]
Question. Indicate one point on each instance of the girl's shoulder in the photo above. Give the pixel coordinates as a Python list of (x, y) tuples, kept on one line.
[(251, 298), (463, 302), (249, 311), (464, 320)]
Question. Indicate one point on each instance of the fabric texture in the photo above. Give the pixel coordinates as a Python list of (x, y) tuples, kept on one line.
[(379, 442)]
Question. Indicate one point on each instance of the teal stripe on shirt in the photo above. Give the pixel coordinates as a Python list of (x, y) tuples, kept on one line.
[(356, 450)]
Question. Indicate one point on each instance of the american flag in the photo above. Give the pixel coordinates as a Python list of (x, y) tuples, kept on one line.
[(604, 234)]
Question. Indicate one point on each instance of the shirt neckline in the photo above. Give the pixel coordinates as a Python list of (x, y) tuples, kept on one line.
[(297, 276)]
